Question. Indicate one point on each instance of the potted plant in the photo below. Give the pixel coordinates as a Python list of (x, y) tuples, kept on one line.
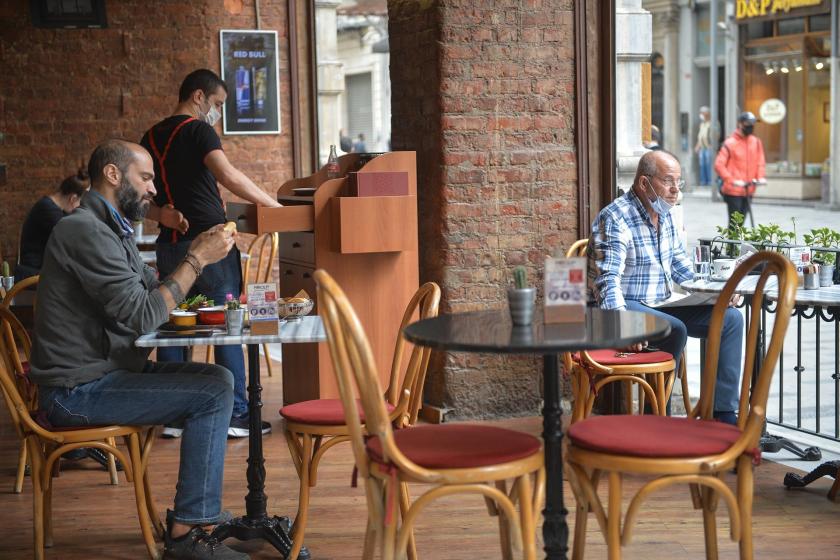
[(7, 280), (734, 231), (521, 298), (234, 315), (824, 238)]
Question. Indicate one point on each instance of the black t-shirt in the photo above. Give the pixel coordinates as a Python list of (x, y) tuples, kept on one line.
[(192, 188), (36, 231)]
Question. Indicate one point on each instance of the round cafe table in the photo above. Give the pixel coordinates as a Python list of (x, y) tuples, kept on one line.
[(492, 332)]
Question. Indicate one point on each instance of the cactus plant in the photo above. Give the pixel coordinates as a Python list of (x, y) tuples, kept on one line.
[(231, 302), (519, 278), (6, 271)]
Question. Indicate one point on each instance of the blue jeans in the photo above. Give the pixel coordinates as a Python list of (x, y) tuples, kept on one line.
[(705, 157), (216, 281), (199, 396), (694, 322)]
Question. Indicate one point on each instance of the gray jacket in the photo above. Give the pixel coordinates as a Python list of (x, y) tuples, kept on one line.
[(95, 297)]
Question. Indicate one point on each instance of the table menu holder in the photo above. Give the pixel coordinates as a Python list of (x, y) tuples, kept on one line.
[(262, 308), (565, 290)]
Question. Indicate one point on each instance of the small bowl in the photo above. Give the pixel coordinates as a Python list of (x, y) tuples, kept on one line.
[(212, 315), (183, 318), (294, 310)]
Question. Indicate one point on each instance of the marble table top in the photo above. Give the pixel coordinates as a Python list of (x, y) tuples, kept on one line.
[(824, 297), (306, 329)]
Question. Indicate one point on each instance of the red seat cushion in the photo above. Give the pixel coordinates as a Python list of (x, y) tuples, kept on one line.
[(458, 446), (321, 412), (653, 436), (608, 357)]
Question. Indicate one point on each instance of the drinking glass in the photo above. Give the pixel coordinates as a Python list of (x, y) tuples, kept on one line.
[(702, 263)]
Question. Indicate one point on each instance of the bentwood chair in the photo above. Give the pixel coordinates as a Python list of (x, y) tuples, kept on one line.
[(46, 443), (695, 450), (313, 427), (451, 458), (652, 372)]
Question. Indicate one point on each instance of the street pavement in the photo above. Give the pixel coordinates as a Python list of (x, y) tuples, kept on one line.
[(700, 216)]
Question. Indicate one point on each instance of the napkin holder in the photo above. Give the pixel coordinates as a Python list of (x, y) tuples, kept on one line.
[(565, 290)]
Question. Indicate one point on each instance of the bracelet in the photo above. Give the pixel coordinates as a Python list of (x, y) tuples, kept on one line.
[(191, 260)]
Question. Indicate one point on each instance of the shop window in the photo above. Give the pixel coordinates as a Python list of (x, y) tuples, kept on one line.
[(820, 23), (759, 29), (791, 26)]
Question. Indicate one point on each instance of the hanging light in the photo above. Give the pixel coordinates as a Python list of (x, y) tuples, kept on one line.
[(784, 68), (797, 65), (768, 69), (819, 65)]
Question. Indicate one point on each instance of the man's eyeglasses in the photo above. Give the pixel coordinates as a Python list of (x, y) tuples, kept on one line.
[(669, 182)]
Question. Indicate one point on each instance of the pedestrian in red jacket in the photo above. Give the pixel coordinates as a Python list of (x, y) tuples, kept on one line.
[(740, 164)]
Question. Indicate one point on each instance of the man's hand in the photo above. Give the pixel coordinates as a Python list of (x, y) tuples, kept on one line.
[(739, 183), (735, 300), (213, 245), (173, 219), (760, 181)]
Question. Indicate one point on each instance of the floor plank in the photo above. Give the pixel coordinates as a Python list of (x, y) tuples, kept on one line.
[(94, 519)]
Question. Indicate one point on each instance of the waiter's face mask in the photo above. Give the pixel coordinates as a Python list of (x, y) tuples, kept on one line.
[(212, 115)]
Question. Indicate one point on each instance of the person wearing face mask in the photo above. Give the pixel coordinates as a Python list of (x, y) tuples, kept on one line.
[(189, 164), (740, 165), (636, 256)]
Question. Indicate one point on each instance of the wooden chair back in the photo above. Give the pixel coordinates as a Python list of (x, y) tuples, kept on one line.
[(754, 392), (408, 395), (19, 394), (262, 253), (577, 249), (17, 288), (355, 370)]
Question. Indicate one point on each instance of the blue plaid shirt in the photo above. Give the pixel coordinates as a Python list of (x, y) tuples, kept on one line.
[(630, 260)]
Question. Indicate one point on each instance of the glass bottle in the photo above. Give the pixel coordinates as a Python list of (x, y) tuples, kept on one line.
[(333, 170)]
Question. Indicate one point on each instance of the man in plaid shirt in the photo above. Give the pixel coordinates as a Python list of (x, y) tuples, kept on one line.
[(636, 256)]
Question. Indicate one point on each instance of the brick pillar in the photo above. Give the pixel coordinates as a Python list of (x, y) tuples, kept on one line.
[(484, 92)]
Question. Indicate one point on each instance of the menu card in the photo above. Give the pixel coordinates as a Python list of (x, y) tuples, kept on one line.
[(565, 290), (262, 308)]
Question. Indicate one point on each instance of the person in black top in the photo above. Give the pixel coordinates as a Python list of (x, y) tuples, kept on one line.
[(41, 220), (189, 163)]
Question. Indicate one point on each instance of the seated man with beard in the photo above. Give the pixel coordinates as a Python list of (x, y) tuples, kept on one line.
[(95, 298)]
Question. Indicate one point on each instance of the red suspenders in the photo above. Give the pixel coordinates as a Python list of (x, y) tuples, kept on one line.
[(162, 158)]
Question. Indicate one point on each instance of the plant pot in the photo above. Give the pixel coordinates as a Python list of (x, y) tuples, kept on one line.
[(7, 282), (521, 304), (812, 281), (826, 275), (234, 320)]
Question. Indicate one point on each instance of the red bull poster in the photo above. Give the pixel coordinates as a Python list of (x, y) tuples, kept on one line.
[(249, 69)]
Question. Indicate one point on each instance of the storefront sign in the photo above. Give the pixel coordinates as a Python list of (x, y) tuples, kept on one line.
[(752, 9), (249, 69), (772, 111)]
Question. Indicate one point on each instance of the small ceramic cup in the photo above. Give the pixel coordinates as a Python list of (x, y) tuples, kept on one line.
[(521, 303)]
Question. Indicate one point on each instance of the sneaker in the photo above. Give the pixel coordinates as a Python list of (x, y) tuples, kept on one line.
[(197, 544), (171, 432), (239, 427)]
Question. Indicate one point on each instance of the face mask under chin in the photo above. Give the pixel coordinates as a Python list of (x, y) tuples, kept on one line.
[(661, 206)]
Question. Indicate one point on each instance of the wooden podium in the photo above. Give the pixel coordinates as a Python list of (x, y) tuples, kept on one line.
[(368, 244)]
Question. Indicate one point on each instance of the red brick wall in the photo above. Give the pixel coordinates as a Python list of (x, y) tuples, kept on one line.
[(484, 91), (65, 90)]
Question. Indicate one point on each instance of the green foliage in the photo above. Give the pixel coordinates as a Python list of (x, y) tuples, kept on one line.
[(519, 278), (231, 302), (823, 237), (5, 268)]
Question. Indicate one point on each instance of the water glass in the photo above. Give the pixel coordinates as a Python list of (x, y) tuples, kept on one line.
[(702, 263)]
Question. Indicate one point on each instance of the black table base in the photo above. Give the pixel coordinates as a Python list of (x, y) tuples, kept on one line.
[(256, 523), (773, 444), (555, 528), (830, 468)]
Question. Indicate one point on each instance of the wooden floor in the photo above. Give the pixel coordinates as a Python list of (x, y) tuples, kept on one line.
[(96, 520)]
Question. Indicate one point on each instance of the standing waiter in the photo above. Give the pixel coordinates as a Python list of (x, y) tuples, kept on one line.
[(189, 164)]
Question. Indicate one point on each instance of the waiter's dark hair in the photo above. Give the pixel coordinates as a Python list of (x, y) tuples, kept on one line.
[(203, 79), (115, 151), (75, 184)]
